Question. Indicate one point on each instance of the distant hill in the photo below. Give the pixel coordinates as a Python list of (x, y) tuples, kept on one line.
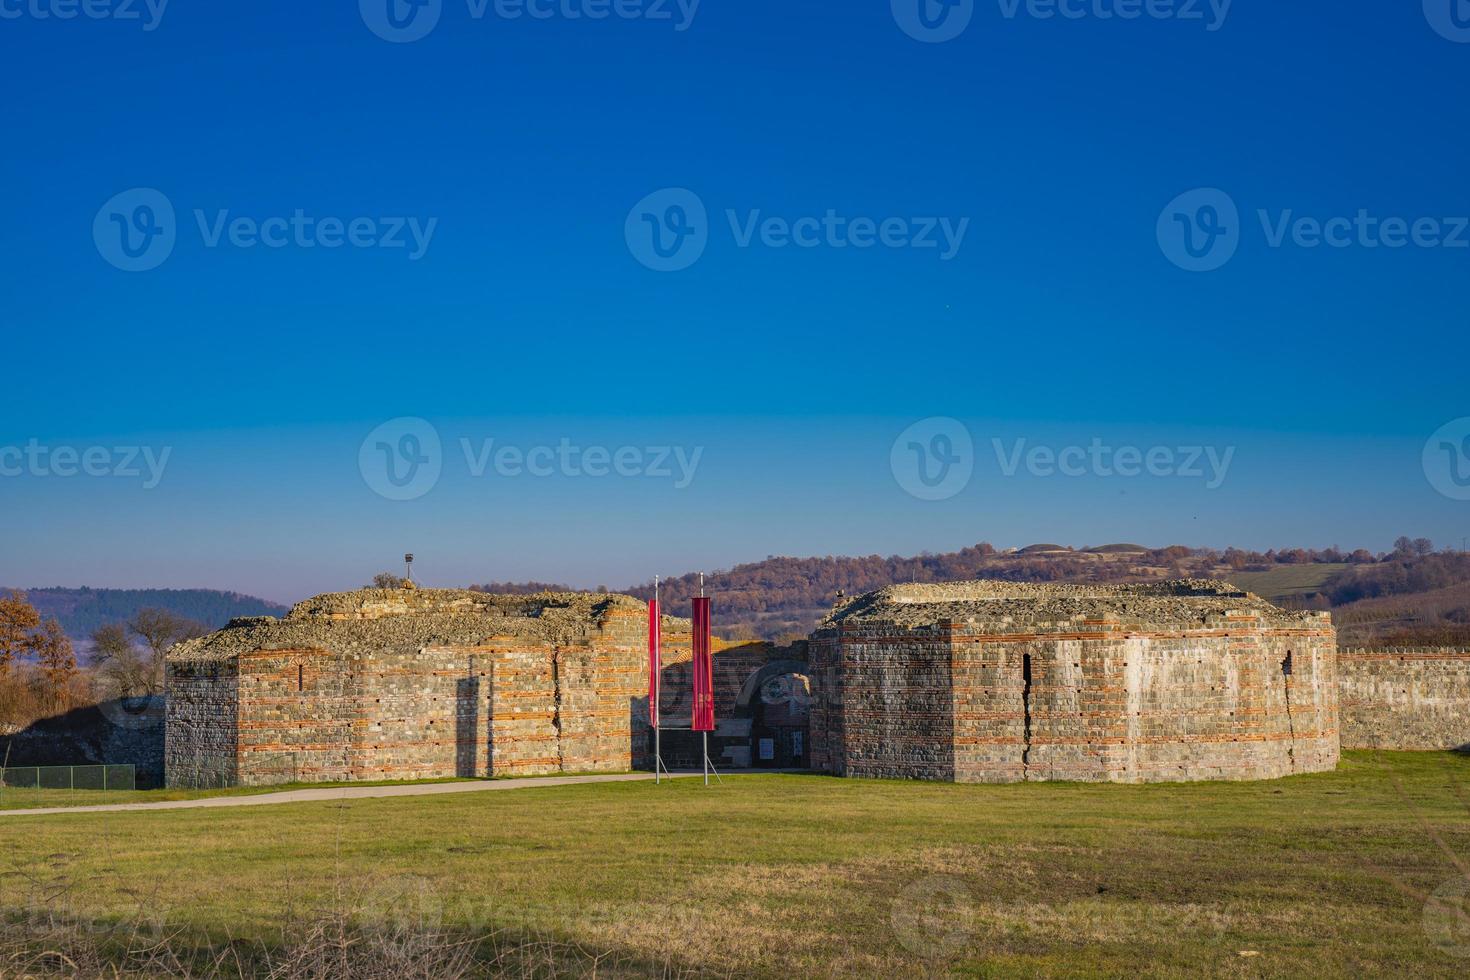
[(783, 598), (80, 611), (1399, 598)]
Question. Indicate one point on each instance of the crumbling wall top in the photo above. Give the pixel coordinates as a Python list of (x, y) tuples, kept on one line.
[(411, 619), (1020, 606)]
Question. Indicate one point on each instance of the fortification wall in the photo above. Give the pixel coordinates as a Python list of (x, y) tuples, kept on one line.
[(976, 683), (200, 745), (1405, 698), (883, 704), (369, 699)]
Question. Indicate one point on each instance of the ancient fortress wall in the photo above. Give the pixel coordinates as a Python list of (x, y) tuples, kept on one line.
[(990, 682), (409, 684), (1405, 698), (200, 735)]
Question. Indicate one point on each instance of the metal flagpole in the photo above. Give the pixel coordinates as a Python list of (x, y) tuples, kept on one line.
[(705, 734), (658, 759)]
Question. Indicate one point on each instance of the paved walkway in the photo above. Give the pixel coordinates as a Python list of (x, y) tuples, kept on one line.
[(349, 792)]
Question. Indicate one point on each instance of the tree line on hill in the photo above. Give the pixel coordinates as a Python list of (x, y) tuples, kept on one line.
[(80, 611), (41, 674)]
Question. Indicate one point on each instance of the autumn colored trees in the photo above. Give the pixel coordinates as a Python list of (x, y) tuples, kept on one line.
[(38, 667)]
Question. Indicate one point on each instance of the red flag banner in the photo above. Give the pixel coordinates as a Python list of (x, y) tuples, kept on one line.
[(655, 631), (704, 669)]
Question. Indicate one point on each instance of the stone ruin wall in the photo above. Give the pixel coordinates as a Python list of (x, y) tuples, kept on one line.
[(938, 702), (200, 745), (505, 707), (1406, 698)]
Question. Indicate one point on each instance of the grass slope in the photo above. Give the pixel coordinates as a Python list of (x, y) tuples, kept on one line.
[(768, 875), (1286, 580)]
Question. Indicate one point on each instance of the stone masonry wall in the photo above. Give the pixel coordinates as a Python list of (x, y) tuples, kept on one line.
[(509, 706), (1100, 698), (1405, 698), (200, 737), (883, 704)]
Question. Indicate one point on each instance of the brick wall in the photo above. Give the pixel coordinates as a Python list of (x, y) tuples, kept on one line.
[(200, 745), (936, 702), (504, 706), (1405, 698)]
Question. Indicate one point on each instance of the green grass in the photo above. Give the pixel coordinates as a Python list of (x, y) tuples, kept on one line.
[(770, 875), (1285, 580)]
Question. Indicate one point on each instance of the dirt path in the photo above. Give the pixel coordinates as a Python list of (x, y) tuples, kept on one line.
[(347, 792)]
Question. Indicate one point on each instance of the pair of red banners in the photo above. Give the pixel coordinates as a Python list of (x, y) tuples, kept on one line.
[(704, 665)]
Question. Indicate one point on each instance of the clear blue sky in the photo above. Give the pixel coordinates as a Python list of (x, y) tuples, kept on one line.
[(529, 319)]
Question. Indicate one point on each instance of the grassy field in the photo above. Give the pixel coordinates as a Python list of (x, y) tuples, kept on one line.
[(771, 875), (1285, 580)]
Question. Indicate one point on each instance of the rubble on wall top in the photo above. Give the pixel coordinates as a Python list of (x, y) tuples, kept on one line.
[(1019, 606), (412, 619)]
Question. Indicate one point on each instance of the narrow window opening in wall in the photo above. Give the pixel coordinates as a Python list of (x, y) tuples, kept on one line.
[(1026, 713), (300, 677)]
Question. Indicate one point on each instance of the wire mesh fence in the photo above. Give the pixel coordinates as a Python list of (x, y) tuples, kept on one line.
[(253, 770), (68, 779)]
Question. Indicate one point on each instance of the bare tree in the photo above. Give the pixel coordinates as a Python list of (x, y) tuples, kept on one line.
[(159, 631), (119, 664), (387, 580)]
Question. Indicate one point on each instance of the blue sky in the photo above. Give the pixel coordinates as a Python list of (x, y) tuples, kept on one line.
[(529, 318)]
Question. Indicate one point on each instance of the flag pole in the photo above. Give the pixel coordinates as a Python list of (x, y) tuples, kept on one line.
[(658, 760), (705, 735)]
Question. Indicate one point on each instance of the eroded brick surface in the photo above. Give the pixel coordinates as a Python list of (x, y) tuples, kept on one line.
[(1405, 699), (993, 682), (411, 684)]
